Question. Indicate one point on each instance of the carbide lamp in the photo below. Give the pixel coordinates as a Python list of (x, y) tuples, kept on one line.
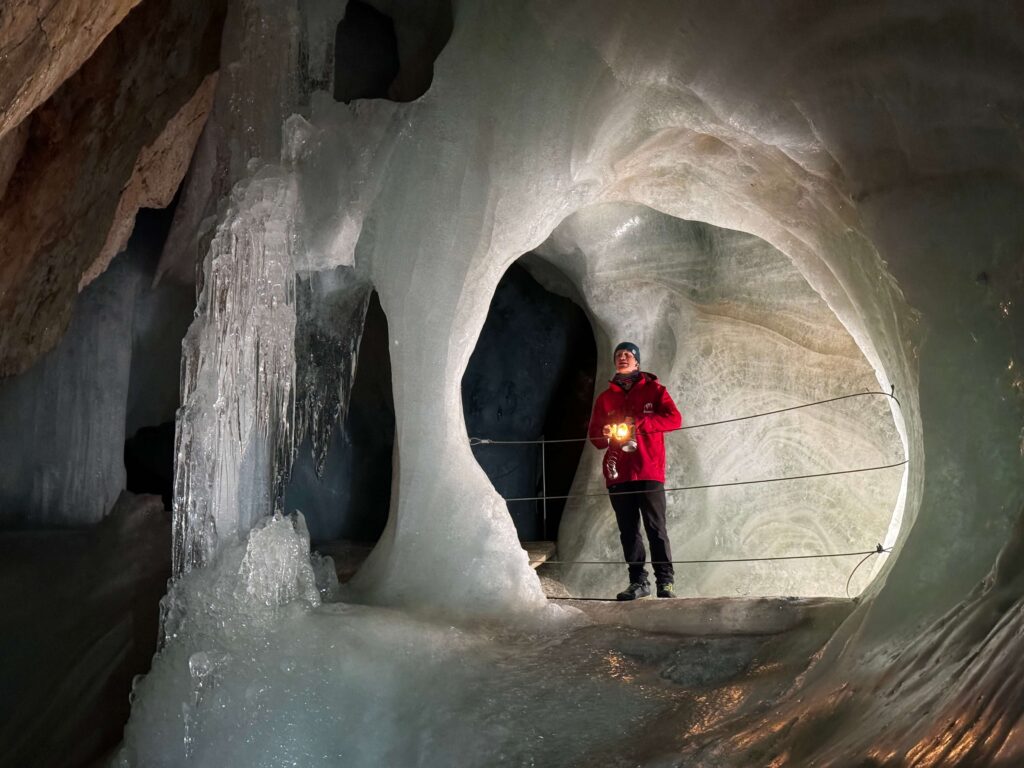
[(625, 434)]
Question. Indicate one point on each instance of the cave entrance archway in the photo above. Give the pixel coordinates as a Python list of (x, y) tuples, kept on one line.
[(531, 377)]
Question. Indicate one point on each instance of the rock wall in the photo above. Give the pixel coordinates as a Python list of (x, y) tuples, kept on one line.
[(44, 43), (104, 126)]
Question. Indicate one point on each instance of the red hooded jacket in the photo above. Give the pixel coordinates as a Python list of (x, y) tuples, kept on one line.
[(651, 407)]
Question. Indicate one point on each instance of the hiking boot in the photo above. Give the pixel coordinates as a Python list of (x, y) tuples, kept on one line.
[(635, 590), (666, 590)]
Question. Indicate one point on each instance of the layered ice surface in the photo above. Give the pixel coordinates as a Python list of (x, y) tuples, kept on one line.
[(62, 423), (732, 330)]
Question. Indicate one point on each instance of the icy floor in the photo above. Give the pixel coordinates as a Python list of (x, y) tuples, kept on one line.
[(358, 686), (260, 671), (78, 619)]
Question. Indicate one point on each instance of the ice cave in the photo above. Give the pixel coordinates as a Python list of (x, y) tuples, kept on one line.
[(305, 306)]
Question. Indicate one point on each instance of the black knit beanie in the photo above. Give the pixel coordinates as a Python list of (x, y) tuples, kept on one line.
[(630, 347)]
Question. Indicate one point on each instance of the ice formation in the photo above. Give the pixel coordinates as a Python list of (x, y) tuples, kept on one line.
[(234, 437), (516, 194), (259, 670), (847, 159)]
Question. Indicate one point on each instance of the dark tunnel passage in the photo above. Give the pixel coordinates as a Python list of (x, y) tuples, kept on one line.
[(374, 60), (531, 376), (366, 54), (349, 500), (162, 317)]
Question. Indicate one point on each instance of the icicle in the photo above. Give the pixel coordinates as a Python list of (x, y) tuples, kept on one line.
[(331, 311), (234, 441)]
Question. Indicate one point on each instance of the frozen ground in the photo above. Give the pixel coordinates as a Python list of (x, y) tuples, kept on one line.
[(258, 670)]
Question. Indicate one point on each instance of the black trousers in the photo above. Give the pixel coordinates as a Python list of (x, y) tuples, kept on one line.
[(633, 501)]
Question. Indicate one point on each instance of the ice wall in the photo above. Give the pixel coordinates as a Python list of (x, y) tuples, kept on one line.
[(62, 422), (732, 329), (65, 421), (163, 314)]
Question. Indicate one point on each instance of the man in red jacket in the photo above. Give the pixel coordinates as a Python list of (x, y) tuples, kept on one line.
[(629, 421)]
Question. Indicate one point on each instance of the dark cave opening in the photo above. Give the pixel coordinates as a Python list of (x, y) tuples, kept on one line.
[(163, 313), (149, 461), (530, 377), (365, 54), (346, 506), (381, 56)]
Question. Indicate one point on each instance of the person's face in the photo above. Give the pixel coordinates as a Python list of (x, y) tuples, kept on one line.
[(625, 362)]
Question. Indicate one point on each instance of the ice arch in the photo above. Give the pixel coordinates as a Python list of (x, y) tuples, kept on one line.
[(732, 329), (531, 376), (508, 194)]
